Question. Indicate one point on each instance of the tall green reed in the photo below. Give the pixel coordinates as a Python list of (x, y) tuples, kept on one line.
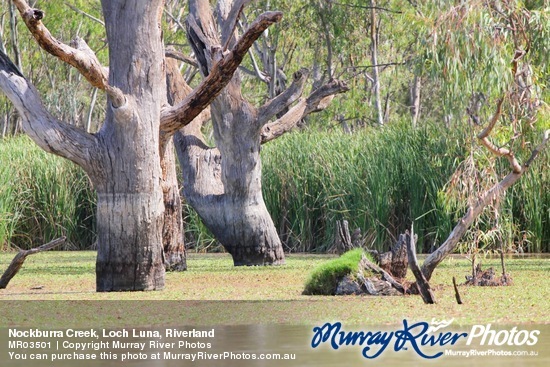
[(43, 197), (380, 179)]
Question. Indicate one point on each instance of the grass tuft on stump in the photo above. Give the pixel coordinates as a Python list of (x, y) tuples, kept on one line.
[(324, 279)]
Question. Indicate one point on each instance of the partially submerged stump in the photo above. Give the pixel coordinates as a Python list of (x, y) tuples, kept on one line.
[(389, 277), (487, 278), (396, 260), (342, 277), (421, 282), (342, 238), (370, 280)]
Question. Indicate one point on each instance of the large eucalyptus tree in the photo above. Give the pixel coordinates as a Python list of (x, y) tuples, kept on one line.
[(126, 159), (223, 184)]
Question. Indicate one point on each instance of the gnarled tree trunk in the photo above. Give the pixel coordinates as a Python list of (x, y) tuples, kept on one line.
[(235, 214), (223, 184), (130, 206)]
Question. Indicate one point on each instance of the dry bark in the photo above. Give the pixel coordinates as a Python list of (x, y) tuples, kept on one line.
[(421, 283), (342, 238), (223, 184)]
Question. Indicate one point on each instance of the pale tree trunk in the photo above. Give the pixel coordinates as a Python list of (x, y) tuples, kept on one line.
[(223, 184), (374, 59), (236, 215), (414, 96), (231, 204), (130, 206), (123, 159)]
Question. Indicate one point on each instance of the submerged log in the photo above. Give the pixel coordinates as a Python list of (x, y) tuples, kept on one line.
[(19, 259)]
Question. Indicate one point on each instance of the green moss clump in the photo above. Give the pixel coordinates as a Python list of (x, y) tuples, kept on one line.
[(323, 280)]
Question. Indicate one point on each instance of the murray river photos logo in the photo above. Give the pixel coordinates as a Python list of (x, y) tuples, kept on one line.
[(419, 337)]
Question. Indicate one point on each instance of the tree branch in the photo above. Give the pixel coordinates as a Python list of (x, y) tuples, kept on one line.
[(421, 282), (177, 90), (49, 133), (173, 118), (82, 57), (75, 9), (484, 139), (231, 22), (317, 101), (172, 53), (538, 149), (19, 259), (369, 8), (285, 99), (473, 212)]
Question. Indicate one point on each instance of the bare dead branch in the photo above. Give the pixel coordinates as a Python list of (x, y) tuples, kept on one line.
[(230, 24), (369, 8), (80, 11), (421, 282), (19, 259), (260, 74), (172, 53), (49, 133), (285, 99), (318, 100), (173, 118), (175, 20), (178, 89), (457, 294), (83, 59)]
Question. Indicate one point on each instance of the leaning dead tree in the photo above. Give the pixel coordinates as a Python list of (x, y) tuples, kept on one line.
[(487, 198), (126, 159), (223, 184), (522, 107)]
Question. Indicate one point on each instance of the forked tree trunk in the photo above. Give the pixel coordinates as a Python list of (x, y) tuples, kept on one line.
[(226, 192), (224, 185)]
